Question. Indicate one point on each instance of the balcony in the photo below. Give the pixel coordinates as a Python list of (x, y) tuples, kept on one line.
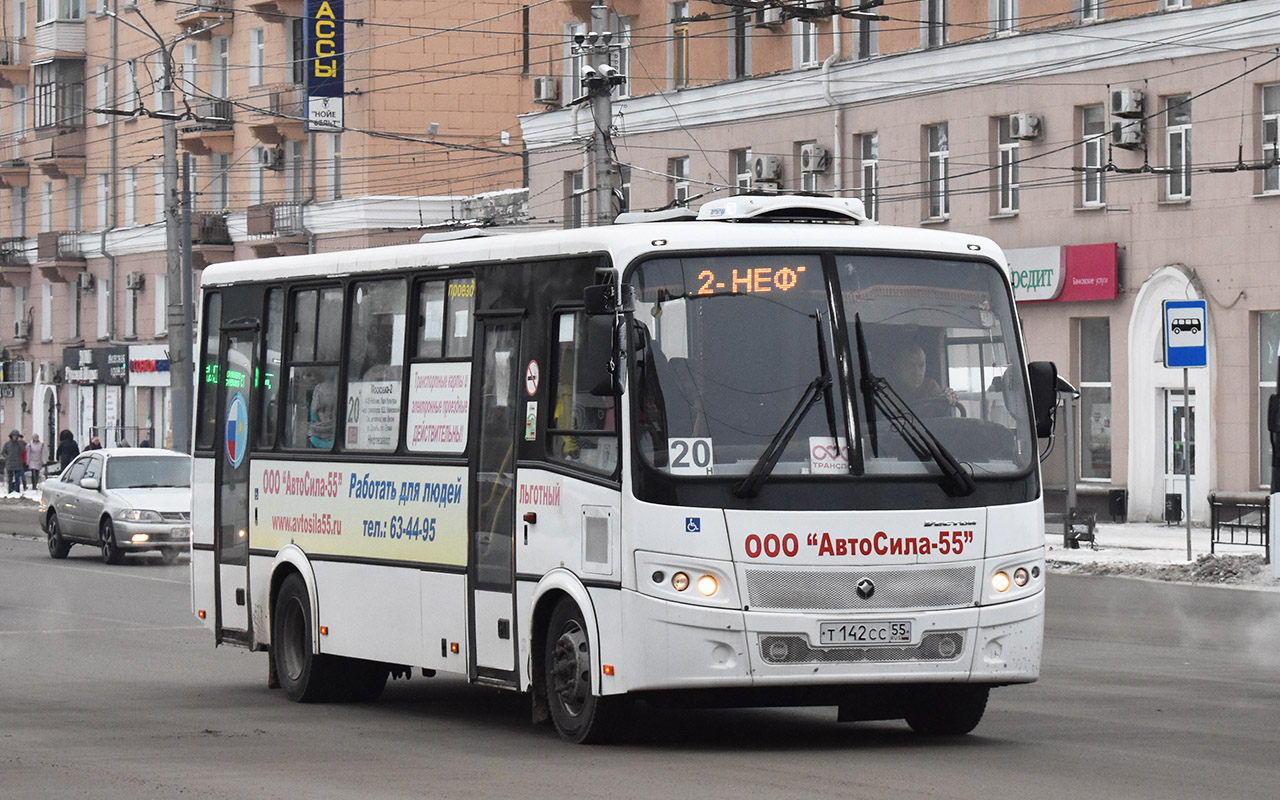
[(59, 255), (211, 131), (279, 113), (276, 10), (13, 170), (12, 71), (205, 16), (276, 229), (15, 270), (59, 38), (210, 240), (59, 153)]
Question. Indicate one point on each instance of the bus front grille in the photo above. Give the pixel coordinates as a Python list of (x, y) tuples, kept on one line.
[(936, 646), (916, 588)]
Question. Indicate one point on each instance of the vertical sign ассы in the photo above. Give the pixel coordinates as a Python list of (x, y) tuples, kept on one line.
[(324, 64)]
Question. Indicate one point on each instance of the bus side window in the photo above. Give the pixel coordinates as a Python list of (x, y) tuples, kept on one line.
[(207, 421), (375, 365), (312, 369), (445, 310), (269, 387), (583, 425)]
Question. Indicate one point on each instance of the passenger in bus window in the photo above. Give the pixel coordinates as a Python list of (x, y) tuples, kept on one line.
[(320, 430), (909, 378)]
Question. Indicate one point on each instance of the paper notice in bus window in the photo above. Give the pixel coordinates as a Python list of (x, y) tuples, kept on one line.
[(828, 456), (439, 407), (373, 415)]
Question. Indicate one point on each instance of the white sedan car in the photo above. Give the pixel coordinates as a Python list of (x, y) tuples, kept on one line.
[(121, 500)]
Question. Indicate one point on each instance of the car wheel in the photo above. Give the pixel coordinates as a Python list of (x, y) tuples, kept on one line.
[(946, 710), (169, 555), (111, 552), (58, 546), (579, 716), (305, 676)]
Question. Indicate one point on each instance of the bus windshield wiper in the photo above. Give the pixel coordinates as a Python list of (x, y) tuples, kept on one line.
[(866, 385), (819, 386), (956, 480)]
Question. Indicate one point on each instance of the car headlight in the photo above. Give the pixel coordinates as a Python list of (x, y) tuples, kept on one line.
[(139, 515)]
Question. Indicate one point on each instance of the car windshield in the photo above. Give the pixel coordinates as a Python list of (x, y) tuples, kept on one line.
[(741, 369), (145, 472)]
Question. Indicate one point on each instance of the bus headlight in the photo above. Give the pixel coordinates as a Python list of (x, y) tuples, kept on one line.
[(680, 581), (708, 585), (1021, 576), (686, 579), (1000, 581)]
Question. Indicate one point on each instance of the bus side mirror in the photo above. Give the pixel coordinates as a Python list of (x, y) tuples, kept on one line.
[(598, 363), (608, 299), (1044, 395)]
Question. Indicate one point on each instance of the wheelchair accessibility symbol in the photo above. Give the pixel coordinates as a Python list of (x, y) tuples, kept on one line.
[(693, 524)]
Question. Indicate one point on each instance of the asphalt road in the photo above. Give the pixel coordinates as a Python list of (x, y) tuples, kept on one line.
[(110, 689)]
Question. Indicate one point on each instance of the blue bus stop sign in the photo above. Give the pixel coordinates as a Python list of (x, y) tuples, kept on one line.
[(1185, 335)]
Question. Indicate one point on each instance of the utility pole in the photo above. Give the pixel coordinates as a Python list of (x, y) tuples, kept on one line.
[(600, 80)]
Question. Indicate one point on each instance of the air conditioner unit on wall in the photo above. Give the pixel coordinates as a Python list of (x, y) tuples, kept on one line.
[(1128, 135), (1126, 103), (766, 168), (1024, 126), (814, 158), (85, 281), (271, 158), (22, 329), (546, 90), (769, 17), (134, 281)]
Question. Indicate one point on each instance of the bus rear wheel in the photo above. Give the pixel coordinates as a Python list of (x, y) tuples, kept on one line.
[(579, 716), (946, 710), (304, 676)]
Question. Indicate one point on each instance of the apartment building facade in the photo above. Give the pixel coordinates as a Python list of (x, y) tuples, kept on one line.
[(1122, 153), (429, 96)]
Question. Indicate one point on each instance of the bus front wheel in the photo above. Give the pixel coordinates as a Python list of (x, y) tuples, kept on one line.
[(305, 676), (952, 710), (579, 716)]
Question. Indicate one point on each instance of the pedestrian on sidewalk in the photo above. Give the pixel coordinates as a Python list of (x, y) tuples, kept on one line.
[(67, 449), (35, 459), (12, 454), (23, 477), (94, 443)]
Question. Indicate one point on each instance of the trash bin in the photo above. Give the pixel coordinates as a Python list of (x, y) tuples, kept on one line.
[(1118, 504), (1172, 508)]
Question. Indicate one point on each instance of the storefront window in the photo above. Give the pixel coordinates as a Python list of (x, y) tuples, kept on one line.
[(1268, 345), (1095, 398)]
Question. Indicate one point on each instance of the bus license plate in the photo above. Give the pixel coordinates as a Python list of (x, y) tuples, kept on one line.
[(864, 633)]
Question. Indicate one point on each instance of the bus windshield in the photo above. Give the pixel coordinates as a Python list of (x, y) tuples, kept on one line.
[(747, 364)]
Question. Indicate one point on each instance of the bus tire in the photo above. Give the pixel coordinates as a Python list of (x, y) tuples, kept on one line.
[(362, 681), (304, 676), (952, 710), (579, 716)]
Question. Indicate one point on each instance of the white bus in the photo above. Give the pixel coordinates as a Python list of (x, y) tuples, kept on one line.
[(772, 455)]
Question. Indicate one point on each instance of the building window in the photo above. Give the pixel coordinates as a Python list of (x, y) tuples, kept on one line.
[(575, 199), (129, 100), (75, 204), (1268, 347), (298, 51), (1175, 5), (130, 314), (131, 197), (104, 307), (335, 166), (1089, 10), (19, 206), (865, 36), (1271, 138), (938, 157), (46, 312), (678, 170), (741, 166), (624, 189), (100, 84), (104, 199), (935, 22), (680, 45), (257, 176), (221, 67), (294, 169), (1006, 167), (1005, 16), (160, 297), (190, 66), (20, 110), (46, 206), (257, 56), (1093, 157), (806, 33), (574, 61), (220, 187), (1095, 398), (59, 98), (1178, 146), (73, 311), (870, 149), (620, 55), (159, 193), (739, 41)]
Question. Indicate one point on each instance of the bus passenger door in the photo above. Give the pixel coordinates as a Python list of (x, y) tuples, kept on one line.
[(231, 506), (491, 561)]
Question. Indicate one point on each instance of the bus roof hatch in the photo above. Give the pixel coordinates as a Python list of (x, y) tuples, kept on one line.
[(784, 208)]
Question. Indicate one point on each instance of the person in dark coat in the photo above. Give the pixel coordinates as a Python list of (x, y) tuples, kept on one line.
[(67, 449), (14, 467)]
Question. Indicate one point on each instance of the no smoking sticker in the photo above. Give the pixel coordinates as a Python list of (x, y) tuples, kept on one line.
[(531, 377)]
